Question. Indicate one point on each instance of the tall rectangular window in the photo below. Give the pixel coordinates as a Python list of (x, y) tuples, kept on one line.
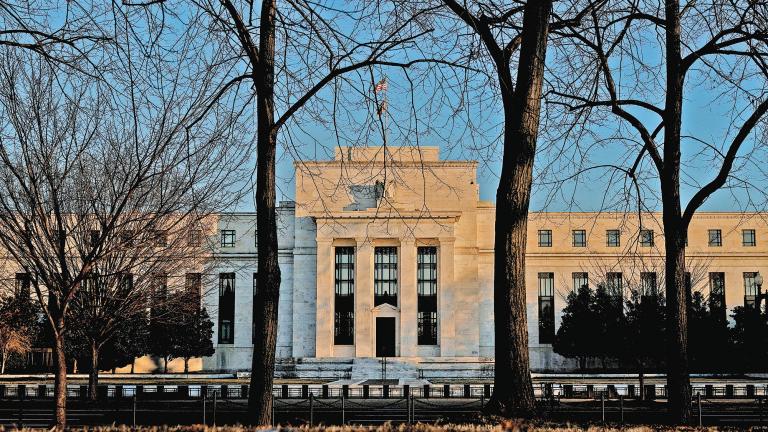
[(580, 279), (579, 238), (94, 238), (717, 295), (748, 238), (228, 238), (546, 308), (161, 238), (715, 237), (21, 288), (648, 287), (193, 287), (344, 301), (750, 289), (613, 237), (545, 238), (159, 294), (646, 238), (426, 290), (385, 276), (615, 283), (226, 308)]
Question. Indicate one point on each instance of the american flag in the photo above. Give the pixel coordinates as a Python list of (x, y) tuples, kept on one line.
[(381, 86)]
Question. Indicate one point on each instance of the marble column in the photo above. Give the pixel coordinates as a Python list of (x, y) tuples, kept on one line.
[(325, 298), (364, 343), (408, 300), (446, 297)]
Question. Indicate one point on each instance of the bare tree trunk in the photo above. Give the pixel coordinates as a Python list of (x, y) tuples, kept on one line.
[(133, 365), (165, 364), (2, 366), (60, 379), (186, 365), (93, 375), (268, 277), (678, 381), (513, 389)]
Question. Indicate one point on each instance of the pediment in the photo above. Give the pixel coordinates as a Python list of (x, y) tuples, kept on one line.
[(386, 307)]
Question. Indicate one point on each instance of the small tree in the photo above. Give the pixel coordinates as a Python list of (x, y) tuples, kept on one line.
[(577, 336), (18, 326), (194, 336), (750, 339), (708, 337)]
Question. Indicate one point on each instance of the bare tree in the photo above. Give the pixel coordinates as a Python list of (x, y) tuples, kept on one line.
[(514, 38), (638, 63), (86, 170), (293, 56)]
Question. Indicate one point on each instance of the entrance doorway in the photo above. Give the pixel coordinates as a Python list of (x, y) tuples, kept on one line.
[(385, 337)]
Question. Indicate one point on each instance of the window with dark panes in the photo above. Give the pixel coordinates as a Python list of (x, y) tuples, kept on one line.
[(226, 308), (545, 238), (615, 284), (646, 238), (613, 238), (546, 308), (426, 290), (717, 295), (22, 286), (750, 289), (748, 237), (385, 276), (228, 238), (93, 238), (344, 301), (648, 287), (715, 237), (254, 311), (579, 238), (580, 279)]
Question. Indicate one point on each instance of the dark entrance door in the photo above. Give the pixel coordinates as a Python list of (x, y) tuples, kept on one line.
[(385, 337)]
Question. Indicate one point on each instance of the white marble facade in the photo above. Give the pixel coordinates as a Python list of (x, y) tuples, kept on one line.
[(420, 200)]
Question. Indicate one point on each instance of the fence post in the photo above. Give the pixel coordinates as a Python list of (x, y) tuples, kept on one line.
[(311, 409), (698, 402), (413, 408), (343, 408), (482, 401), (134, 410), (205, 396), (621, 407), (215, 400), (22, 391), (602, 405)]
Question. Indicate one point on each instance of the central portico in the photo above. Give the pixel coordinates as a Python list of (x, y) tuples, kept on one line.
[(392, 227)]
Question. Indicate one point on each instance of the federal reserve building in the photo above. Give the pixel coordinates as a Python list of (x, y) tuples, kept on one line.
[(388, 253)]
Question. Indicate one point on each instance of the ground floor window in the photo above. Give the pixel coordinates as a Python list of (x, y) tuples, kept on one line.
[(546, 308)]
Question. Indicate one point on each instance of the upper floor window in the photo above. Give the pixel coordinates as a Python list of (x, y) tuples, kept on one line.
[(93, 238), (613, 237), (385, 276), (580, 279), (228, 238), (646, 238), (715, 237), (545, 238), (579, 238), (161, 238), (193, 286), (748, 237), (195, 238)]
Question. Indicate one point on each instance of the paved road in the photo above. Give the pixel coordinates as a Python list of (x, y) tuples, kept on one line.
[(360, 411)]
